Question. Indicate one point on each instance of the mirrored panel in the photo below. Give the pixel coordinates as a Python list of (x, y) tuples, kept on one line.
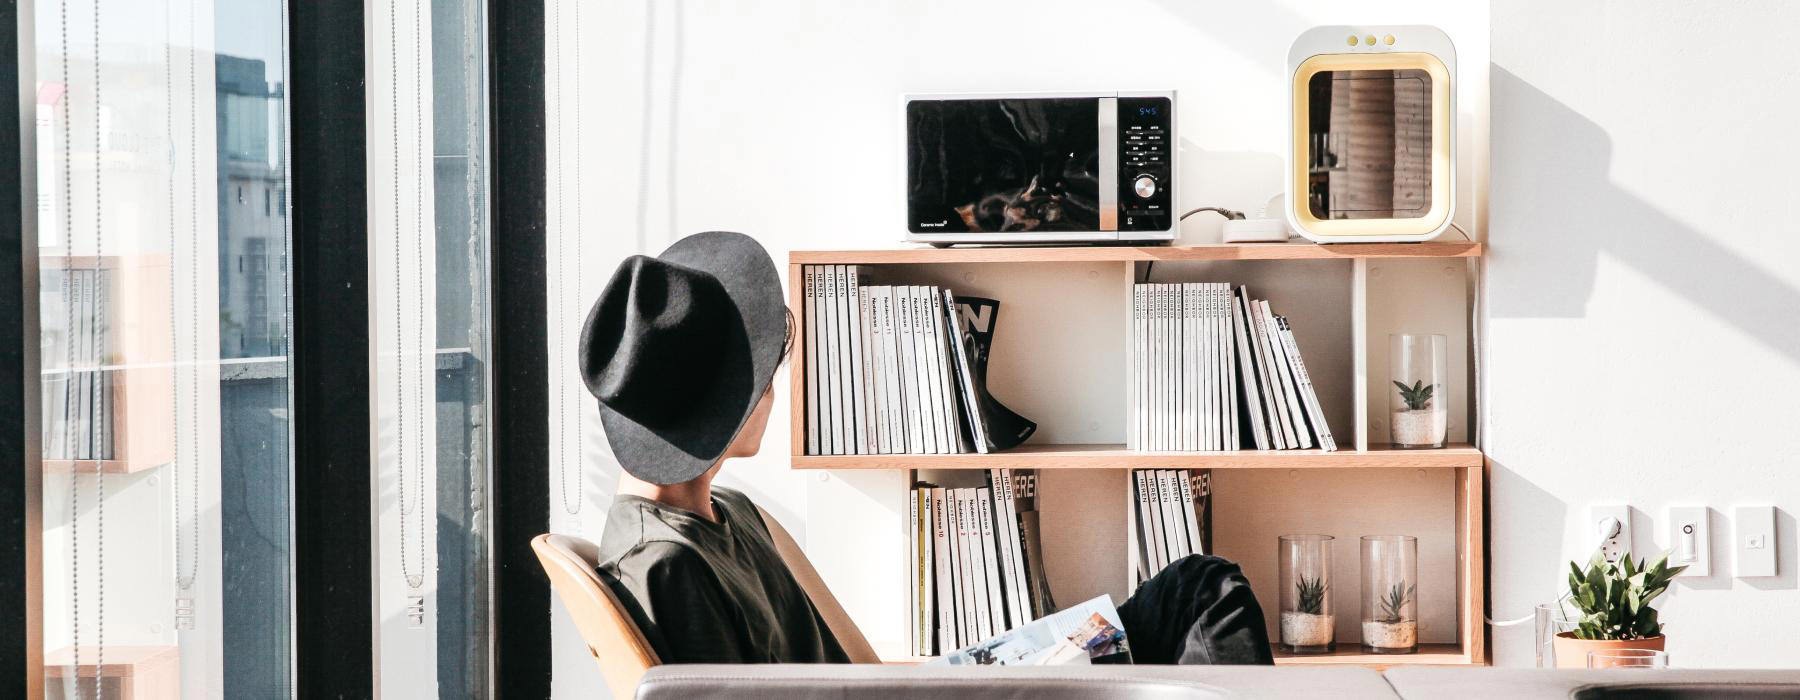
[(1369, 152)]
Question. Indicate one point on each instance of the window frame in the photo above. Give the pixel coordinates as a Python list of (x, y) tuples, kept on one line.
[(330, 353), (520, 346)]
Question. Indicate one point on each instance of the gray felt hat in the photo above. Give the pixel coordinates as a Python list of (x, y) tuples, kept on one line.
[(679, 348)]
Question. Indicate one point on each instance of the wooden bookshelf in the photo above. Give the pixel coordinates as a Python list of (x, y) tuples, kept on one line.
[(1216, 251), (138, 319), (1351, 654), (1117, 457), (1060, 296), (130, 672)]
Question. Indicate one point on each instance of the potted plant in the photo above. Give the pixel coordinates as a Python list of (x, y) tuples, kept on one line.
[(1613, 600), (1390, 601), (1419, 424), (1418, 366), (1307, 623), (1391, 628), (1308, 627)]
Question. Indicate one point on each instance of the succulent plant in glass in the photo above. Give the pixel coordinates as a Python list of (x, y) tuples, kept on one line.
[(1417, 396), (1418, 370), (1390, 601), (1311, 593), (1393, 603), (1307, 625)]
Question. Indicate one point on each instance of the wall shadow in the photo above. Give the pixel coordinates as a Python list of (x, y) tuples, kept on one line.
[(1600, 217), (1532, 516)]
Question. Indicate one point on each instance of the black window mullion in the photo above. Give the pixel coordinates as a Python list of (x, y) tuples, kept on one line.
[(521, 397), (334, 541), (21, 537)]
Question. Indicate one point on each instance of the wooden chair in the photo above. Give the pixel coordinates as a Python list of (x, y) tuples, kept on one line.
[(614, 639)]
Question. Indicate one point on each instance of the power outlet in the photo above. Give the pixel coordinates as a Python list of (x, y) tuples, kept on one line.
[(1611, 530)]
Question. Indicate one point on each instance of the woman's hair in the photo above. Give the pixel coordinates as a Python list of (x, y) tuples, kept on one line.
[(787, 338)]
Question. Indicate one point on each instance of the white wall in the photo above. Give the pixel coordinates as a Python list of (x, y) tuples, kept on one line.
[(781, 120), (1642, 286)]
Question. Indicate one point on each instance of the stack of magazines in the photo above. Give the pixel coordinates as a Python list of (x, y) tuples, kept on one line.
[(1174, 516), (899, 369), (77, 401), (1213, 369), (977, 561)]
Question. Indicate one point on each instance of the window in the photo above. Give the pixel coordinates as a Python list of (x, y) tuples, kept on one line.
[(428, 241), (164, 334), (166, 330)]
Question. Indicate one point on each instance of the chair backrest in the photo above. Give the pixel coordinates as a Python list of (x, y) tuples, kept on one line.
[(611, 635), (848, 635)]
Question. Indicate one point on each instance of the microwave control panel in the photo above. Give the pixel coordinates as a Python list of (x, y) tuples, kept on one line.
[(1146, 157)]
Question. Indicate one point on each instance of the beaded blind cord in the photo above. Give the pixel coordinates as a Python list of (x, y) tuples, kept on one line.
[(95, 396), (572, 498), (68, 273), (97, 344), (412, 509), (185, 475)]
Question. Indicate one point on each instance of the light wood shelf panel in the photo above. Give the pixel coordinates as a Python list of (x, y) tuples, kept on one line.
[(1351, 654), (1117, 457), (1210, 251)]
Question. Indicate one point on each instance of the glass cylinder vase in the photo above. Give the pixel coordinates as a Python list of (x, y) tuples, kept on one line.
[(1418, 393), (1390, 594), (1307, 623)]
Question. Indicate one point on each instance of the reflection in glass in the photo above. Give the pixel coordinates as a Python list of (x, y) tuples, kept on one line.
[(164, 296), (1369, 150)]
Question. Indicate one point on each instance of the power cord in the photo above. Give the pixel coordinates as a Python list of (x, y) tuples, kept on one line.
[(1229, 214)]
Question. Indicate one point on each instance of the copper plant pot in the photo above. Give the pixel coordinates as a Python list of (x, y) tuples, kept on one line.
[(1572, 652)]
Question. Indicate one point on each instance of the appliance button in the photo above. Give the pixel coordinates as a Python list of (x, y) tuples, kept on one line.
[(1145, 186)]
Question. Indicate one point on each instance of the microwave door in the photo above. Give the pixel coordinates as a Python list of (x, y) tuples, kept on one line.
[(1003, 167)]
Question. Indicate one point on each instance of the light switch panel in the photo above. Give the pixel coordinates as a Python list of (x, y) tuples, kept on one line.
[(1753, 538), (1690, 540)]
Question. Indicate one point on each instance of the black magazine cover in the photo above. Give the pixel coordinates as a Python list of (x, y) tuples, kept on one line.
[(976, 319)]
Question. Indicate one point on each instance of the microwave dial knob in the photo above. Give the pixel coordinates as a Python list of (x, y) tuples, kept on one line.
[(1145, 186)]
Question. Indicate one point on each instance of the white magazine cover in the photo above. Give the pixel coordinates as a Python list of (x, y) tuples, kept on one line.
[(1087, 633)]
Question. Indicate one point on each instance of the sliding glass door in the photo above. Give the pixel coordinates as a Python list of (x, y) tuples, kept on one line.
[(163, 251), (166, 306), (428, 252)]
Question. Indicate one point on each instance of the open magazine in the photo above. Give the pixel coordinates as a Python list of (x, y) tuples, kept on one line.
[(1087, 633)]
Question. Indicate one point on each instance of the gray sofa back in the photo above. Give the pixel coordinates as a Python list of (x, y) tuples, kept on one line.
[(807, 682)]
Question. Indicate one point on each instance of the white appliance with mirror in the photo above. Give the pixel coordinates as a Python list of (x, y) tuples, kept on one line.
[(1372, 120)]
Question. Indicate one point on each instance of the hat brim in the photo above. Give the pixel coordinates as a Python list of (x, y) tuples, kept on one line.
[(685, 448)]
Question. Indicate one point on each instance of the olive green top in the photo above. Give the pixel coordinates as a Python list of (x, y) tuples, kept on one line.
[(709, 592)]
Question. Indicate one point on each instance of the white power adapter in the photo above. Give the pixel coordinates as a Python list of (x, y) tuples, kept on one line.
[(1261, 229)]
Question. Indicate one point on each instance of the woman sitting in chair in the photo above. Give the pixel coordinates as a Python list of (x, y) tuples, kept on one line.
[(681, 351)]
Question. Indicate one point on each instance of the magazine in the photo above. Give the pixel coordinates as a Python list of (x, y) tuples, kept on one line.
[(1087, 633), (1000, 428)]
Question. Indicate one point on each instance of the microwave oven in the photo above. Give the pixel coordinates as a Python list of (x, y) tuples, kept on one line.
[(1041, 167)]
